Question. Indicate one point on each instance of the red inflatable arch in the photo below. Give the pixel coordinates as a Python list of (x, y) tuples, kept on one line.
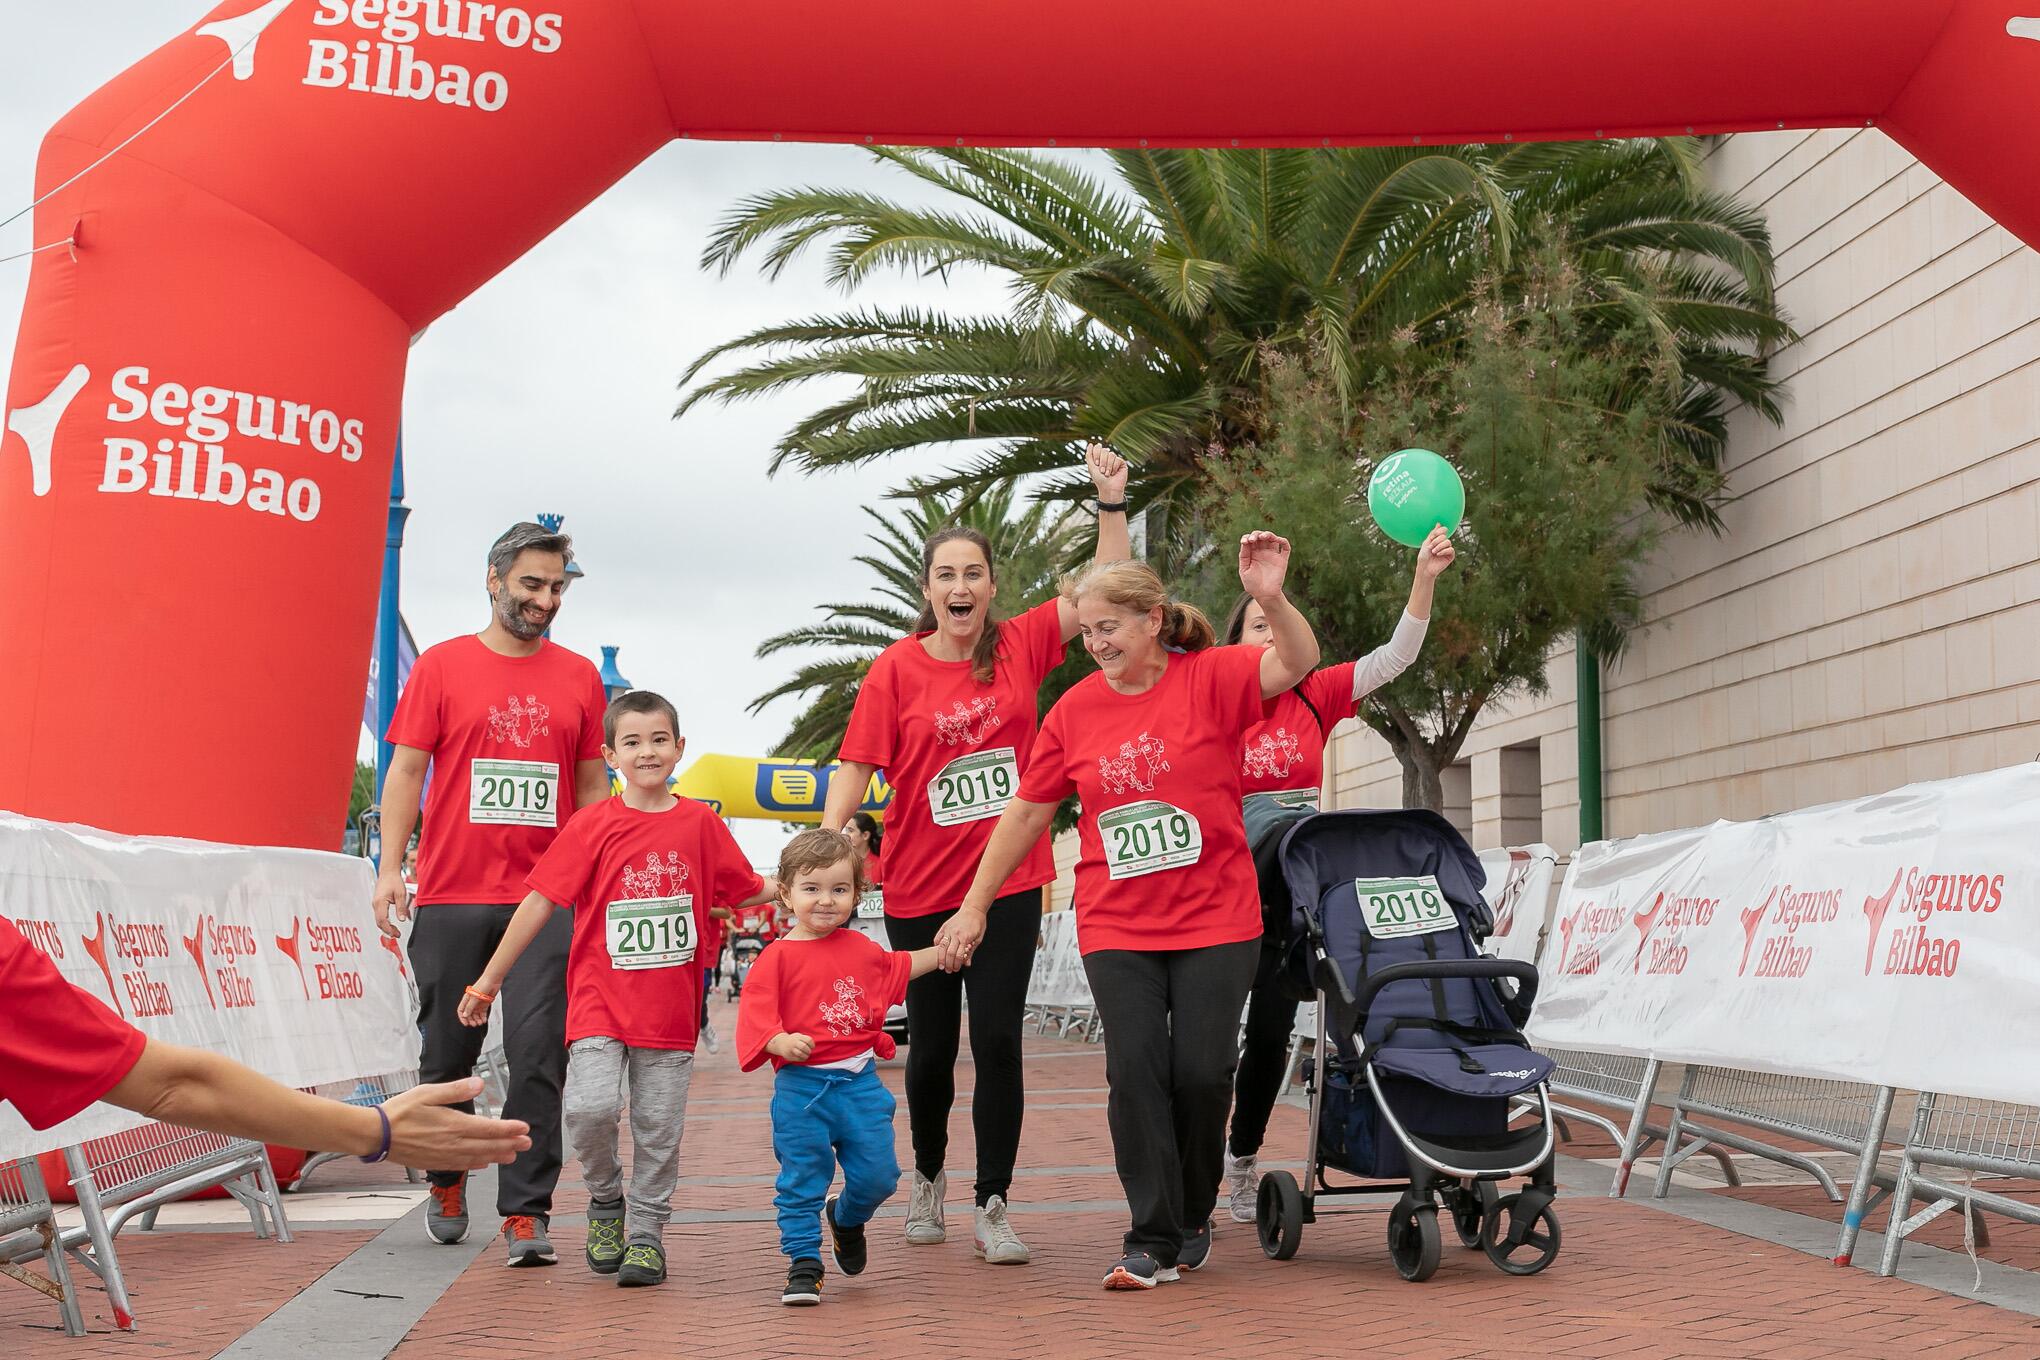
[(205, 392)]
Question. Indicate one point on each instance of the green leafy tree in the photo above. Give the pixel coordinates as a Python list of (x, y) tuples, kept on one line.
[(362, 795), (1557, 442), (1029, 546), (1144, 305)]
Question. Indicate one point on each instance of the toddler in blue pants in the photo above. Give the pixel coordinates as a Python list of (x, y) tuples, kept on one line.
[(815, 1004)]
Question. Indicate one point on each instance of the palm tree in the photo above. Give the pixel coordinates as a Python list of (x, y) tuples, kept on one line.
[(1028, 549), (1142, 309)]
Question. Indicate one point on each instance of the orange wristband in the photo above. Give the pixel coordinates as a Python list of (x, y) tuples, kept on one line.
[(486, 998)]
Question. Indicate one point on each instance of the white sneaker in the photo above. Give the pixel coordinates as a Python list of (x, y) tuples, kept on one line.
[(994, 1238), (924, 1210), (1242, 1187), (710, 1039)]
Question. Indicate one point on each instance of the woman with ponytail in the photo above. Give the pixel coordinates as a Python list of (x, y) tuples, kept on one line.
[(1168, 910), (949, 714), (1282, 766)]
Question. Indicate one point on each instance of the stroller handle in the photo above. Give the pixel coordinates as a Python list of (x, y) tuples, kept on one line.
[(1524, 973)]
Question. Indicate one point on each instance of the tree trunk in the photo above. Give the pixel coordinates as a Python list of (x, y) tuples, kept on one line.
[(1421, 785)]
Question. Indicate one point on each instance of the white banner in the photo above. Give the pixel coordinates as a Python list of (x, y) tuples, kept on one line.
[(1890, 940), (1518, 892), (269, 956)]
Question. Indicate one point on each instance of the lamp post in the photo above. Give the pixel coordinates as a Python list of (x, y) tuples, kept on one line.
[(386, 621), (614, 686)]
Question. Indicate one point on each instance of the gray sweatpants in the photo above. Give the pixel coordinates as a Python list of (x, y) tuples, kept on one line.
[(592, 1111)]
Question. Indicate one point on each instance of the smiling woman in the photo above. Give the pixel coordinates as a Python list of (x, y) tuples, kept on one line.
[(948, 714)]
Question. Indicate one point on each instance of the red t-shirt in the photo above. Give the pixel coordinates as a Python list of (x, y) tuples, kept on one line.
[(836, 990), (1286, 750), (952, 750), (519, 722), (874, 868), (1162, 859), (641, 885), (61, 1048)]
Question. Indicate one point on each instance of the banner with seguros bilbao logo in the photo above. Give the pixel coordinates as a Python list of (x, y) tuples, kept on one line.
[(269, 956), (1892, 940)]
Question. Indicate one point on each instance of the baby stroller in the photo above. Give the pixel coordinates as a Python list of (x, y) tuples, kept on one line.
[(745, 947), (1416, 1087)]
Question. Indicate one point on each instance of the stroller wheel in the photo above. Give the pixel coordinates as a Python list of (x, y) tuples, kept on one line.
[(1538, 1247), (1471, 1207), (1278, 1215), (1413, 1240)]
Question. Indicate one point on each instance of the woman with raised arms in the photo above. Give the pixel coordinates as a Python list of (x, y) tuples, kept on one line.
[(1168, 911), (949, 714)]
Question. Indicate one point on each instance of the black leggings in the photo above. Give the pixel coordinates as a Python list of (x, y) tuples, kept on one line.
[(997, 983), (1264, 1053)]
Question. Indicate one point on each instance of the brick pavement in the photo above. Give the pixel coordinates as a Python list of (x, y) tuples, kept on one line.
[(1631, 1281)]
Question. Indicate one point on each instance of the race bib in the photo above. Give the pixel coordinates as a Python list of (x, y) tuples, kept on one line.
[(973, 787), (652, 932), (1392, 907), (871, 906), (513, 792), (1145, 838)]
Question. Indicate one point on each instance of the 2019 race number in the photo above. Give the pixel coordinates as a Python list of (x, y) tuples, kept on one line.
[(514, 792), (651, 932), (1392, 907), (973, 787), (1145, 838)]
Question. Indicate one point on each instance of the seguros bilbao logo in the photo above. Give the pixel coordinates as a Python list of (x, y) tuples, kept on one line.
[(1927, 903)]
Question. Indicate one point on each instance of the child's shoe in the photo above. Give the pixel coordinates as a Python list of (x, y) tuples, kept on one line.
[(845, 1244), (643, 1263), (803, 1283), (605, 1236)]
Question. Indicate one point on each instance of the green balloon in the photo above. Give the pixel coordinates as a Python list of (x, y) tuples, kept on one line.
[(1412, 492)]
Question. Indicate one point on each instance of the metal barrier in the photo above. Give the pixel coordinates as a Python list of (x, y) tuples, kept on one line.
[(131, 1174), (1845, 1116), (1618, 1082), (1059, 991), (367, 1092), (494, 1070), (1304, 1031), (28, 1228), (1968, 1135)]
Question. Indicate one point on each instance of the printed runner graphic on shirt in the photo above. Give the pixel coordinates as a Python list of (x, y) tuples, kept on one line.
[(968, 725), (1145, 838), (1136, 766), (1272, 755), (523, 720), (652, 925), (845, 1015)]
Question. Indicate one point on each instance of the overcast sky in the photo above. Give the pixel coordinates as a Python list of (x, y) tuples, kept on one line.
[(552, 389)]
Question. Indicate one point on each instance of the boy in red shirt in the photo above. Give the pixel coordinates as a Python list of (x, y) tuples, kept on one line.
[(644, 871), (815, 1003)]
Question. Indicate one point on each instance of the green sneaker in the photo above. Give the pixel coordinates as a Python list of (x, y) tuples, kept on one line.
[(605, 1236), (643, 1263)]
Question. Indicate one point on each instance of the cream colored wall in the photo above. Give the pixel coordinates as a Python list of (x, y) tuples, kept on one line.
[(1872, 614)]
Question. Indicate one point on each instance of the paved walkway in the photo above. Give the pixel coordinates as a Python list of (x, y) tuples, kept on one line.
[(1635, 1278)]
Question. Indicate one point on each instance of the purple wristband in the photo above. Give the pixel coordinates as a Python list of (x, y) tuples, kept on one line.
[(384, 1150)]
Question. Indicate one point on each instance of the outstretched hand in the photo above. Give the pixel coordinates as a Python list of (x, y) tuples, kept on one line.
[(424, 1132), (1436, 554), (1264, 563), (1108, 472)]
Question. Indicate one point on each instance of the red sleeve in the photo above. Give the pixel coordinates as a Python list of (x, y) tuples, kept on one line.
[(592, 709), (416, 720), (758, 1017), (1036, 637), (894, 969), (731, 880), (874, 718), (60, 1047), (1229, 686), (1046, 778), (561, 873), (1331, 692)]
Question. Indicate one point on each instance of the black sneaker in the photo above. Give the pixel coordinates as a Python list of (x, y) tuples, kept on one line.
[(803, 1284), (643, 1263), (845, 1244), (1196, 1249), (1138, 1270), (605, 1236)]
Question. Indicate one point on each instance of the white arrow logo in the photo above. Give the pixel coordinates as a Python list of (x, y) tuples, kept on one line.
[(37, 426), (240, 34)]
